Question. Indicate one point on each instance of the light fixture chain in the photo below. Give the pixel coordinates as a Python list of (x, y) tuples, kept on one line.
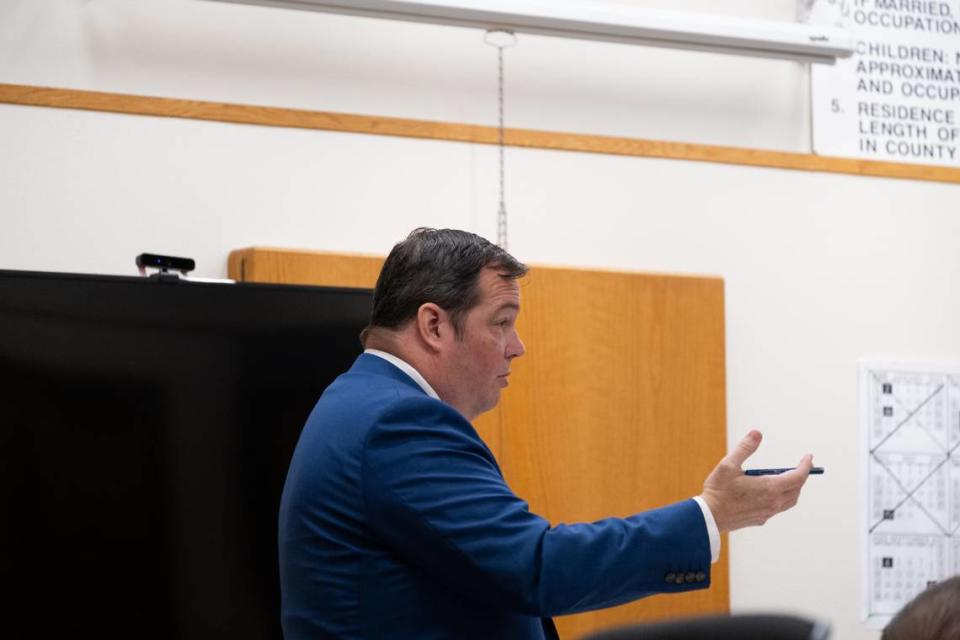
[(501, 39), (502, 211)]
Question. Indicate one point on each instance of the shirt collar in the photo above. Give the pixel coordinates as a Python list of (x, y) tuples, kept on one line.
[(407, 369)]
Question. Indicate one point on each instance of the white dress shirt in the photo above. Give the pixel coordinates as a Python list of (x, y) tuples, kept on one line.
[(712, 531)]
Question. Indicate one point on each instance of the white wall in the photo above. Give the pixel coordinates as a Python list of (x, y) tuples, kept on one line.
[(820, 269)]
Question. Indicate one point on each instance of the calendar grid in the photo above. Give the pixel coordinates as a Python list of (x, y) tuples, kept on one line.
[(911, 438)]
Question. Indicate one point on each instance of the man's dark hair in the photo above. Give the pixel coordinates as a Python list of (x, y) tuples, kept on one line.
[(441, 266), (932, 615)]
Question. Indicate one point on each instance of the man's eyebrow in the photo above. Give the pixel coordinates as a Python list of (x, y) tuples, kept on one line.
[(508, 305)]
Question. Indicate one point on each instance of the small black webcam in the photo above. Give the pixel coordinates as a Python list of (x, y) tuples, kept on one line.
[(164, 263)]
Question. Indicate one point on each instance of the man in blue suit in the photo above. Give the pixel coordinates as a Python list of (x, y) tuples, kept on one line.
[(395, 520)]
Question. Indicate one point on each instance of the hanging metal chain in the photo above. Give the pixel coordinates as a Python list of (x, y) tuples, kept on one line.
[(502, 210), (501, 40)]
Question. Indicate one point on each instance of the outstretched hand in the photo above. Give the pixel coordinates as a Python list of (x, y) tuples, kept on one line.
[(737, 500)]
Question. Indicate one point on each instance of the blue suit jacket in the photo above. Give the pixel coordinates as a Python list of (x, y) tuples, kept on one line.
[(396, 522)]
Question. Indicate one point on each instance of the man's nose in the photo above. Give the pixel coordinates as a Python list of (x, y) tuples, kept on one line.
[(516, 348)]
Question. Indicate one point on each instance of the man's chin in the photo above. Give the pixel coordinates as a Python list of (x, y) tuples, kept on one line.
[(490, 404)]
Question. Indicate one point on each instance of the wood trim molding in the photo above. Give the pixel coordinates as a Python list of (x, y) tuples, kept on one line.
[(387, 126)]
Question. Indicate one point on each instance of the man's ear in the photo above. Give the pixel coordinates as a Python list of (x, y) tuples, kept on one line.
[(433, 324)]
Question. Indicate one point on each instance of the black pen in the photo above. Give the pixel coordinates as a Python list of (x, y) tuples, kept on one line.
[(775, 472)]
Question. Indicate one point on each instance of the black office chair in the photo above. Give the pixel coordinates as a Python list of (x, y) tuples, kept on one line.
[(733, 627)]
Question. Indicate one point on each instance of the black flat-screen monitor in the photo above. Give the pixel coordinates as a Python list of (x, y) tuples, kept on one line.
[(145, 431)]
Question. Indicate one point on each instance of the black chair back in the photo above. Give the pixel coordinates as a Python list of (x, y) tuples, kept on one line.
[(732, 627)]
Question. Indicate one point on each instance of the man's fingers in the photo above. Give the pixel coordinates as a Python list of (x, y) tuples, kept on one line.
[(802, 470), (795, 478), (744, 449)]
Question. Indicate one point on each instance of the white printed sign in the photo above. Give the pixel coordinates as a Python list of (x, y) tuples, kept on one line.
[(897, 98)]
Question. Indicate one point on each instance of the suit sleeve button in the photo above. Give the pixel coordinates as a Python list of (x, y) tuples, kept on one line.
[(690, 577), (670, 577), (679, 579), (701, 576)]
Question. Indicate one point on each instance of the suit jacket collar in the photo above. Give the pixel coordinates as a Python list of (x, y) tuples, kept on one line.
[(374, 365)]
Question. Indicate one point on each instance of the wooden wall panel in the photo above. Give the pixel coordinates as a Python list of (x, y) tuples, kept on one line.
[(261, 264), (618, 405)]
